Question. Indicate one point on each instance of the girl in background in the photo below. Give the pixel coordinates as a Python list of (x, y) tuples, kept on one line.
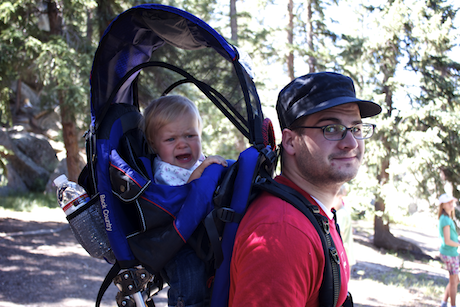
[(448, 250)]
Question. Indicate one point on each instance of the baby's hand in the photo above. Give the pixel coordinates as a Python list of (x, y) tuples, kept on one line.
[(214, 159), (208, 161)]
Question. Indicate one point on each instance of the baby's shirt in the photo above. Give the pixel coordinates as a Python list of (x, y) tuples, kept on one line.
[(173, 175)]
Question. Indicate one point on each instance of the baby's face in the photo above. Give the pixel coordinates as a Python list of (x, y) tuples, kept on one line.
[(179, 142)]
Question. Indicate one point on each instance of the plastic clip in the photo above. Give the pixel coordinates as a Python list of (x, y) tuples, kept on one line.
[(334, 254), (228, 215)]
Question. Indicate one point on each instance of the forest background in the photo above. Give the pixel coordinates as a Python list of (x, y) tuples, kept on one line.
[(402, 54)]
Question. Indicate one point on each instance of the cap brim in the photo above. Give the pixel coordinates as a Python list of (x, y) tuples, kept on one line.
[(366, 108), (444, 200)]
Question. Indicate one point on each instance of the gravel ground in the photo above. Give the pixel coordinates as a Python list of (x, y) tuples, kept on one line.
[(41, 264)]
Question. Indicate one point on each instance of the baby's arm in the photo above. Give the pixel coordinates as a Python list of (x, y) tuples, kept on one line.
[(208, 161)]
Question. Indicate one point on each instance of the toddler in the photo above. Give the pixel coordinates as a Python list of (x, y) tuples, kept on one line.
[(173, 129)]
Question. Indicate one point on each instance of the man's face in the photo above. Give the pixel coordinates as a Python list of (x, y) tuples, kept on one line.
[(324, 162)]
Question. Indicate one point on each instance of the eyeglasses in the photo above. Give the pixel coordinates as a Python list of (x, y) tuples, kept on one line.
[(337, 132)]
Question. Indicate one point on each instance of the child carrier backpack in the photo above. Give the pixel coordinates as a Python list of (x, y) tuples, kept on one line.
[(146, 223)]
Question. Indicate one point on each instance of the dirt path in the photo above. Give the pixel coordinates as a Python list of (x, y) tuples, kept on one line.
[(41, 264), (383, 279)]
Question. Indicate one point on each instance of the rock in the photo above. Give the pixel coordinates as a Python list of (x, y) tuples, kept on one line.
[(30, 114), (32, 146), (31, 156), (30, 98), (60, 169), (14, 185), (47, 120), (37, 148)]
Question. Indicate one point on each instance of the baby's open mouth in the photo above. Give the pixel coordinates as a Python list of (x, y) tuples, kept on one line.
[(184, 158)]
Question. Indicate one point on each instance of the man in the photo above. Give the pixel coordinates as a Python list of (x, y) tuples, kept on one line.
[(278, 259)]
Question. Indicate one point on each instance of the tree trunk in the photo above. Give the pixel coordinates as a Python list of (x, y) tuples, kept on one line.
[(69, 133), (384, 239), (382, 235), (89, 26), (309, 23), (381, 230), (233, 22), (290, 35), (105, 15), (68, 121), (54, 18)]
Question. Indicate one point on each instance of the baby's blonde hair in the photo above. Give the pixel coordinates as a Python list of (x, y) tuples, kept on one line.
[(165, 110)]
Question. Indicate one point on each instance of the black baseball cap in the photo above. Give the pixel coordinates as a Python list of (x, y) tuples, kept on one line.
[(316, 92)]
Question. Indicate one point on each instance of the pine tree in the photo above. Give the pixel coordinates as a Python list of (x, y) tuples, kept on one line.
[(54, 59), (413, 38)]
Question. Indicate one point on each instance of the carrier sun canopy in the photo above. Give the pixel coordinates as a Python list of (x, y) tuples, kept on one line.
[(181, 49)]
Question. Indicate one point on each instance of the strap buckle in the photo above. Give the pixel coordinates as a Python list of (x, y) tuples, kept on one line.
[(334, 254), (228, 215), (325, 224)]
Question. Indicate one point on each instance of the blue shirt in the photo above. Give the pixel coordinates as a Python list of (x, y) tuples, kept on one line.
[(445, 249)]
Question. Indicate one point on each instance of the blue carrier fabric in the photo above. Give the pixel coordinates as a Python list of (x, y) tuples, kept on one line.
[(147, 223)]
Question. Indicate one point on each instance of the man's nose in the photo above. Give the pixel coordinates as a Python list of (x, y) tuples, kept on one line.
[(349, 141)]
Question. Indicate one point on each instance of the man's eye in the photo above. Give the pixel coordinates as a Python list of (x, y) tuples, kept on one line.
[(356, 130), (169, 140), (331, 129)]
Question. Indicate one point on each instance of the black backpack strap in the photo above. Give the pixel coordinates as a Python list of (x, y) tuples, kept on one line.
[(349, 301), (337, 226), (224, 215), (321, 224), (107, 281)]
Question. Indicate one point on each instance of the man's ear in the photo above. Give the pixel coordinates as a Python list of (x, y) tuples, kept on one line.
[(287, 139)]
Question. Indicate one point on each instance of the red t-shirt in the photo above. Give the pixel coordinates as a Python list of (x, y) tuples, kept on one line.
[(278, 257)]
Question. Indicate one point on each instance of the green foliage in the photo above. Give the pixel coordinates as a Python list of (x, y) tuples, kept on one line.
[(66, 70), (52, 60), (413, 156), (17, 49), (322, 38), (3, 163), (438, 99), (5, 111), (401, 58), (29, 201)]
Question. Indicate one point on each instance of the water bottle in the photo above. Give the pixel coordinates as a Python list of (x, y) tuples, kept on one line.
[(85, 218), (70, 195)]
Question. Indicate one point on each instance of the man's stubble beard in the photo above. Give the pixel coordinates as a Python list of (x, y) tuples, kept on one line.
[(318, 172)]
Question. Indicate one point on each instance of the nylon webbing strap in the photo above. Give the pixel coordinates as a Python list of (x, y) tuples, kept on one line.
[(226, 215), (213, 234), (107, 281), (322, 227)]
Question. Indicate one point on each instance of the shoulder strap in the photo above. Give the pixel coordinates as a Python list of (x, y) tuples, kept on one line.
[(321, 224), (107, 281)]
